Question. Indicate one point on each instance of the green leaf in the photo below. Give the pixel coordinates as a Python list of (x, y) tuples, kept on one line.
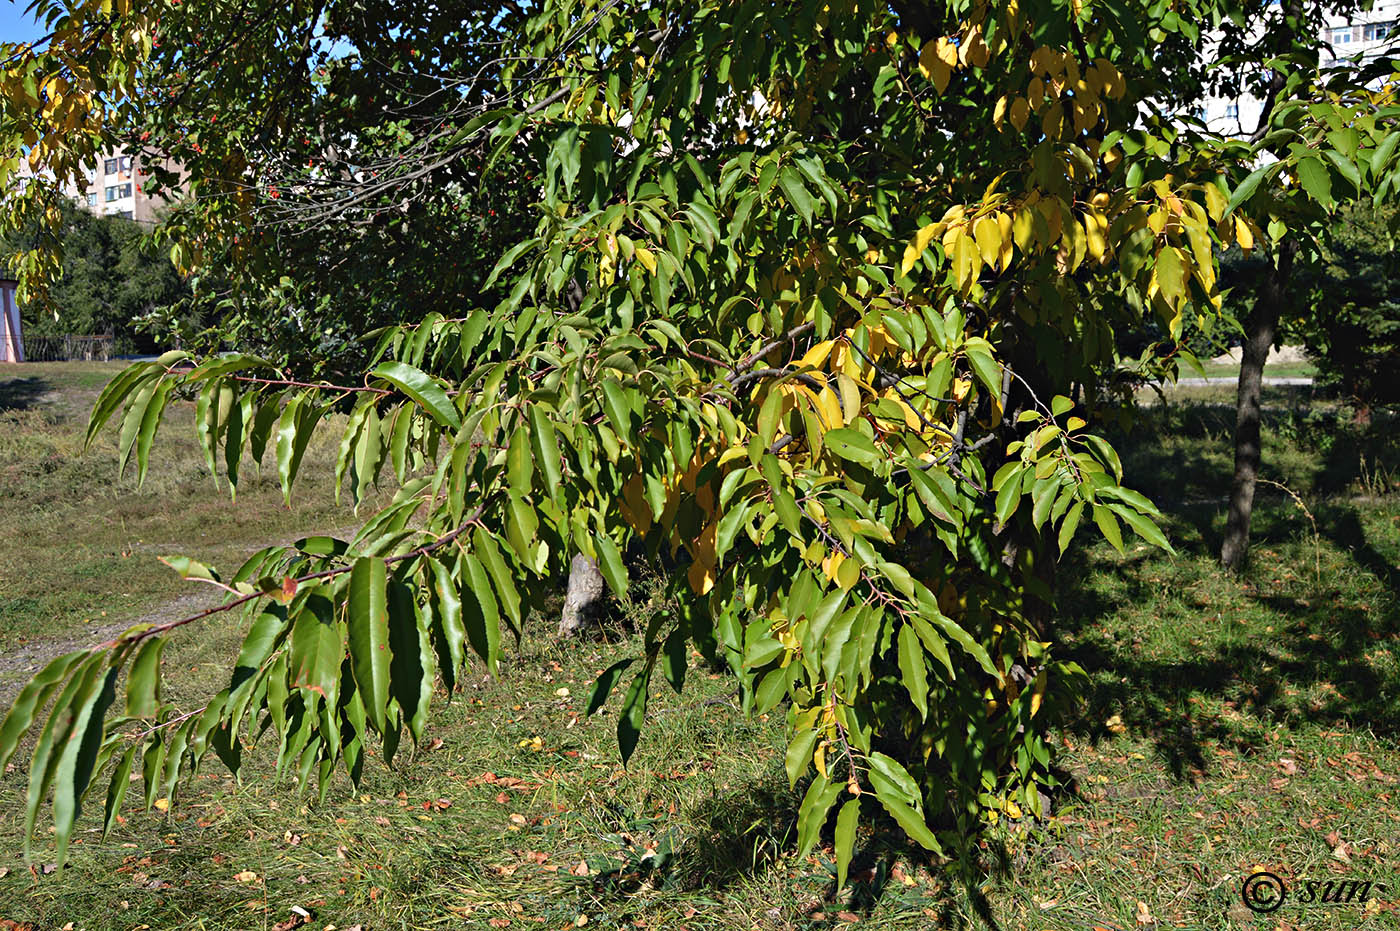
[(610, 562), (448, 612), (489, 553), (116, 789), (1109, 526), (317, 649), (799, 755), (912, 669), (484, 623), (143, 680), (633, 715), (811, 814), (1144, 526), (423, 389), (845, 840), (912, 822), (79, 757), (368, 614), (1315, 179), (114, 395), (32, 697), (674, 660), (797, 194), (986, 370), (1381, 156), (852, 446), (1249, 185), (546, 445), (150, 423), (618, 409), (1070, 524), (772, 689), (603, 685)]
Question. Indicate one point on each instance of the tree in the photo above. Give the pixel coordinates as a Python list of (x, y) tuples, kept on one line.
[(110, 281), (1353, 331), (777, 324), (1305, 161)]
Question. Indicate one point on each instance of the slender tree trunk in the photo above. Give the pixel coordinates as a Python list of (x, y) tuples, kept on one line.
[(1261, 327), (584, 601)]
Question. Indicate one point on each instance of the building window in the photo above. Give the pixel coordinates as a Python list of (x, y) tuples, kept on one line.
[(92, 198), (1377, 31), (126, 215), (118, 191), (110, 166), (1232, 111), (126, 163)]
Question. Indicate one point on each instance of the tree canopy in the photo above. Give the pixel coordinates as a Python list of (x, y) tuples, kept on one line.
[(816, 307), (111, 280)]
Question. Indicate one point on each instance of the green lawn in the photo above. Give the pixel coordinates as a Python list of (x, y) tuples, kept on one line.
[(1231, 726)]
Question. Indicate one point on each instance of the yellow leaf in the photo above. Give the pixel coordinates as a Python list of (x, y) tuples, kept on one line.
[(1243, 234), (1020, 113), (829, 406), (832, 563), (246, 876), (988, 236), (966, 262), (917, 245), (819, 758), (850, 397), (1004, 225), (999, 112), (701, 579), (1074, 423), (162, 804), (817, 355), (647, 259), (1215, 202), (848, 574), (1096, 232), (1013, 809), (936, 61)]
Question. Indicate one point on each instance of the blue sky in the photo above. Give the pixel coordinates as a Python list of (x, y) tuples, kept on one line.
[(15, 24)]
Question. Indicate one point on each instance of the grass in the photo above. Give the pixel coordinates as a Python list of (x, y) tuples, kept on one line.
[(1230, 725), (84, 540), (1227, 371)]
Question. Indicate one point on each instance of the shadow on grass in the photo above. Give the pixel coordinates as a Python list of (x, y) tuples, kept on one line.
[(1268, 650), (21, 393)]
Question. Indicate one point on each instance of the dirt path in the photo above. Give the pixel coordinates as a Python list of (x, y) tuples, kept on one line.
[(18, 665)]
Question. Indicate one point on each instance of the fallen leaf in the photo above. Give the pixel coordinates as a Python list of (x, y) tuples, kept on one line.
[(1144, 915), (581, 869), (848, 916), (246, 876)]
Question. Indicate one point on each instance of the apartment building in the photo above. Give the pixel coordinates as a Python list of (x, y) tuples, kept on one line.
[(1366, 33), (114, 187)]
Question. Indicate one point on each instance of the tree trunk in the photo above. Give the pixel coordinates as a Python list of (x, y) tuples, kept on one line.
[(584, 601), (1260, 327)]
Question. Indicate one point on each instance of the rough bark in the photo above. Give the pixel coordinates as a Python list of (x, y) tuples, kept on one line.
[(584, 600), (1261, 326)]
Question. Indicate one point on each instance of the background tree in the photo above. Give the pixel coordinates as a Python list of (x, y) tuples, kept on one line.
[(1306, 167), (1353, 332), (775, 324), (111, 281)]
